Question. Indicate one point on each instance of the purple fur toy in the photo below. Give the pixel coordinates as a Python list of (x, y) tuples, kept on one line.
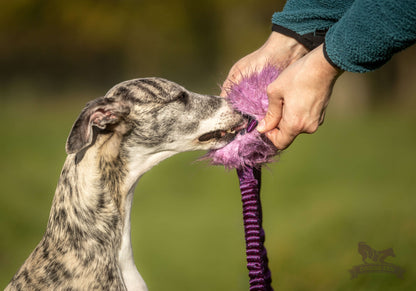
[(249, 97), (247, 153)]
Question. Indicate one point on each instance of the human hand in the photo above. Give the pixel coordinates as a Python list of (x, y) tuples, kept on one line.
[(279, 50), (298, 98)]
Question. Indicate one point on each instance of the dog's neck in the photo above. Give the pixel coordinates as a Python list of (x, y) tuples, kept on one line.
[(90, 215)]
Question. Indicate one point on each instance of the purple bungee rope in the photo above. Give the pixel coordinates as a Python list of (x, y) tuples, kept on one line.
[(256, 254), (247, 153)]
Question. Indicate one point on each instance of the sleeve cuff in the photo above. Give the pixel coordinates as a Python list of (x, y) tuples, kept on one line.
[(328, 58), (309, 40)]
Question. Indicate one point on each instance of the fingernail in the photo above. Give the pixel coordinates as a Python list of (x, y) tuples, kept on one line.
[(261, 126), (252, 125)]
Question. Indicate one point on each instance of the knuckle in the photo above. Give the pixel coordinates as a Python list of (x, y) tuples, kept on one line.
[(280, 146), (276, 141), (297, 126), (312, 127), (322, 119), (270, 114), (283, 143), (270, 91)]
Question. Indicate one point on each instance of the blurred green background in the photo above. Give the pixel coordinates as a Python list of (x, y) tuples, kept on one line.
[(352, 181)]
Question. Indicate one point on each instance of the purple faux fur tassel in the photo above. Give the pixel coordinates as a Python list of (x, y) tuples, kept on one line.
[(247, 153), (249, 97)]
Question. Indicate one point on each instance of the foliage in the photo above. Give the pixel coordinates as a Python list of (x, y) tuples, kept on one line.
[(97, 42)]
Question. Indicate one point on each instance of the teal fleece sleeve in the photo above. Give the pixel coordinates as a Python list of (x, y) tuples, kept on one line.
[(307, 16), (370, 32), (363, 34)]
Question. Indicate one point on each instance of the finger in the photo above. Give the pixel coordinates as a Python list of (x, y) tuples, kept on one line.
[(274, 112), (223, 93), (234, 76), (322, 117), (225, 87), (281, 137)]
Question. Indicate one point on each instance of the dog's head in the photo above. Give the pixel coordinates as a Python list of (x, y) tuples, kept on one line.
[(158, 115)]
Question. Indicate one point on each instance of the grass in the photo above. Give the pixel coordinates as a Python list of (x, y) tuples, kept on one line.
[(352, 181)]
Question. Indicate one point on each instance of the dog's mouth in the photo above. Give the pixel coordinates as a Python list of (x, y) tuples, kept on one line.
[(227, 135)]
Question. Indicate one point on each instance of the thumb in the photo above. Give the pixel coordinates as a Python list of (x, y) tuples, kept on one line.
[(274, 111)]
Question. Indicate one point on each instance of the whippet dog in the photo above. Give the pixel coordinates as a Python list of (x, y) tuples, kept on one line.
[(114, 141)]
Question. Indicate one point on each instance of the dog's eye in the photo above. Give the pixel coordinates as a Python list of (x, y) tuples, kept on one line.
[(183, 97)]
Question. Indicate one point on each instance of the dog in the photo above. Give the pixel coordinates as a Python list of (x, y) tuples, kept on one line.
[(114, 141)]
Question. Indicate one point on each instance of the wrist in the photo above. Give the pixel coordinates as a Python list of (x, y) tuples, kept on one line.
[(279, 43), (328, 68), (328, 59), (276, 39)]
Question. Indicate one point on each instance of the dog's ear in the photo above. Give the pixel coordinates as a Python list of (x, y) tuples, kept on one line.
[(97, 115)]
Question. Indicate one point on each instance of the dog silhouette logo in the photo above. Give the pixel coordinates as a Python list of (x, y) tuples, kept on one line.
[(378, 264), (376, 256)]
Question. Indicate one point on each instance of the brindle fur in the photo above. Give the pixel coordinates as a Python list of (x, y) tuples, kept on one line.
[(115, 140)]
